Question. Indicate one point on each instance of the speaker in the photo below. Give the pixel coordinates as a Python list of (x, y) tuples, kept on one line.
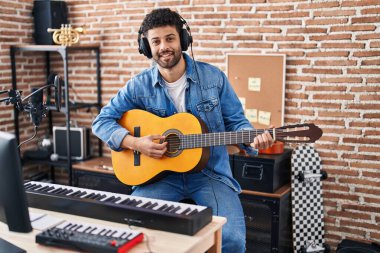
[(79, 142), (268, 221), (48, 14)]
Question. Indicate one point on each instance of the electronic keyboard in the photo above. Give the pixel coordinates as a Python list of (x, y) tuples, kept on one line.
[(145, 212)]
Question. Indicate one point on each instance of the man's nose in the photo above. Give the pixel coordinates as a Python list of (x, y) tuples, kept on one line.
[(163, 45)]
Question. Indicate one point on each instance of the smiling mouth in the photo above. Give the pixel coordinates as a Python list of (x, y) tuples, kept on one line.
[(165, 55)]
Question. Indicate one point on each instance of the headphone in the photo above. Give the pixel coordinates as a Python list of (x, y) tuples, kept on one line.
[(185, 38)]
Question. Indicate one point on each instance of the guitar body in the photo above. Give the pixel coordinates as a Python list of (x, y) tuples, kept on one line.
[(149, 169)]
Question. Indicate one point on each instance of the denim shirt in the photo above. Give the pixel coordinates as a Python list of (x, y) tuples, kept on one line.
[(210, 98)]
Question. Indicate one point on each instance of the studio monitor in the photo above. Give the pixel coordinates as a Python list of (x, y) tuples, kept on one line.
[(48, 14)]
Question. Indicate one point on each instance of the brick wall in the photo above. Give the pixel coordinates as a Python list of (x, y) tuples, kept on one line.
[(333, 75)]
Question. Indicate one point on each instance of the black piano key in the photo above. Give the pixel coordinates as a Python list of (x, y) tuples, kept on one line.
[(102, 196), (82, 193), (116, 199), (175, 209), (75, 226), (90, 231), (186, 210), (193, 212), (152, 205), (68, 225), (74, 194), (162, 207), (78, 227), (110, 232), (62, 190), (87, 229), (109, 199), (97, 195), (146, 204), (101, 231), (56, 190), (125, 201), (168, 208), (43, 188), (104, 232), (89, 196), (49, 189), (136, 203), (124, 236), (27, 186), (66, 191)]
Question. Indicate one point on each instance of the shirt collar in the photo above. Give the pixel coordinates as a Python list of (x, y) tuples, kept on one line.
[(190, 72)]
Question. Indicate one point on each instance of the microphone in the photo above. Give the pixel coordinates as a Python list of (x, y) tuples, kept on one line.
[(36, 107), (57, 92)]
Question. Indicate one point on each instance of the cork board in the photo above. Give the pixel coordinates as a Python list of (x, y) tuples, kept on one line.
[(259, 82)]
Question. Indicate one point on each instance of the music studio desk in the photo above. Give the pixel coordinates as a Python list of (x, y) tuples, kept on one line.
[(207, 239)]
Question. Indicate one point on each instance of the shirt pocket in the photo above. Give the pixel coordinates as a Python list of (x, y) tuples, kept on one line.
[(209, 111), (156, 111)]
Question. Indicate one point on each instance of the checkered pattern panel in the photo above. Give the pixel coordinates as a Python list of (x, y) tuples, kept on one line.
[(307, 200)]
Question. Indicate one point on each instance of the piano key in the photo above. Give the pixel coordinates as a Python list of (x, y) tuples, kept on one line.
[(126, 235), (164, 206), (63, 224), (152, 205), (186, 210), (146, 204)]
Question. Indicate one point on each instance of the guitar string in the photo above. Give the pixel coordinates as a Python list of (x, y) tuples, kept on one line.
[(191, 140)]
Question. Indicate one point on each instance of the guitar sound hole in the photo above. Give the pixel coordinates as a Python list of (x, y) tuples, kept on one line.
[(174, 144)]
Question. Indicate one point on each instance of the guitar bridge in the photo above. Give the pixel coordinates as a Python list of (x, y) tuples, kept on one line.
[(136, 154)]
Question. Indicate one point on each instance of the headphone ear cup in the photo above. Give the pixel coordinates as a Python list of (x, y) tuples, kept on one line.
[(186, 39), (144, 48)]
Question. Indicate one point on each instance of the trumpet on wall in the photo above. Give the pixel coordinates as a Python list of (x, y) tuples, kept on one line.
[(66, 35)]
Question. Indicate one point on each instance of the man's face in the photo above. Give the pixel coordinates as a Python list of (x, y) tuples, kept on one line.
[(165, 45)]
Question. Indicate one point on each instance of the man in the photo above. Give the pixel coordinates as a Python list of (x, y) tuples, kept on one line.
[(176, 83)]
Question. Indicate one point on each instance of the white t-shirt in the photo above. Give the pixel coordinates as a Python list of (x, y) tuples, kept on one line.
[(177, 92)]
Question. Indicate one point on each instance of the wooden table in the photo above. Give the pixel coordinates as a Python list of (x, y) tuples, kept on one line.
[(207, 239)]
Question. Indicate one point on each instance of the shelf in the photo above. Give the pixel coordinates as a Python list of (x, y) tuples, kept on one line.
[(53, 48), (73, 106), (59, 163), (66, 106)]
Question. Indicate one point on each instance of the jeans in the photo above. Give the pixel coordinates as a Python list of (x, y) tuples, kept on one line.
[(206, 192)]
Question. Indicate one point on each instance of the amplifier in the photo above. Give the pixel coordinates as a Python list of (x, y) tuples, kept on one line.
[(263, 173), (80, 142), (268, 221)]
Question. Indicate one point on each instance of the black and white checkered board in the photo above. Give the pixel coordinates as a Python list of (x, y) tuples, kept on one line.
[(307, 200)]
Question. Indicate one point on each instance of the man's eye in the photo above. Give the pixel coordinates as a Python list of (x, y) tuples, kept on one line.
[(155, 42)]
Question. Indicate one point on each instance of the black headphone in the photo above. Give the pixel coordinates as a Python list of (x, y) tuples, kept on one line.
[(185, 38)]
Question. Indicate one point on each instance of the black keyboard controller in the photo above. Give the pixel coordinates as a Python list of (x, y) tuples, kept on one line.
[(90, 238)]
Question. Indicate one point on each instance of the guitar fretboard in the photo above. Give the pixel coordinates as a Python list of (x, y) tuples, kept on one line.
[(217, 139)]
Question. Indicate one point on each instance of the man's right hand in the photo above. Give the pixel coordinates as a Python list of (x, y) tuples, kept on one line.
[(148, 145)]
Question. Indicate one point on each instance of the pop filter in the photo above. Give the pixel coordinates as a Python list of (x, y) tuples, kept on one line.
[(57, 92)]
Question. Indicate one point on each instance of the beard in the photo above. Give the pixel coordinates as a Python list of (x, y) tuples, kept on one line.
[(168, 58)]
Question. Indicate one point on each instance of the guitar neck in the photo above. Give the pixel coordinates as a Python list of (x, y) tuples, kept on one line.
[(217, 139)]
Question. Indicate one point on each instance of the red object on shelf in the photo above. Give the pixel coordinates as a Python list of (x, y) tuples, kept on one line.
[(277, 148)]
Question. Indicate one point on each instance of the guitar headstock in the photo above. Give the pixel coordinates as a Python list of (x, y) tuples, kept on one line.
[(301, 133)]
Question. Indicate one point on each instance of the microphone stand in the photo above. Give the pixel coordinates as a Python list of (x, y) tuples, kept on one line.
[(14, 97)]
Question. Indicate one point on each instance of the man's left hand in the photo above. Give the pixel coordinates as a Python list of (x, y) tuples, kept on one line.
[(263, 141)]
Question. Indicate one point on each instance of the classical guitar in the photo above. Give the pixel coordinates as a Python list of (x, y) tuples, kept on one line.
[(188, 144)]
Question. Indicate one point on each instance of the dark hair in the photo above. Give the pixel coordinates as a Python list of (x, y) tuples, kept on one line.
[(161, 17)]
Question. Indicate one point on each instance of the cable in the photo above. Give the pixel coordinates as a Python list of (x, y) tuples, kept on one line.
[(35, 133)]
